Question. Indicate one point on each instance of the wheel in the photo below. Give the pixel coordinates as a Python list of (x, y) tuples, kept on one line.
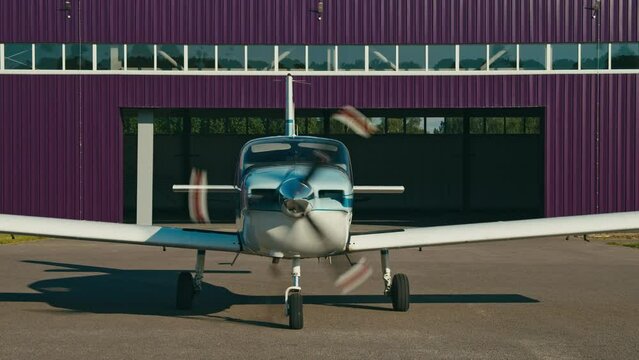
[(295, 313), (400, 293), (184, 294)]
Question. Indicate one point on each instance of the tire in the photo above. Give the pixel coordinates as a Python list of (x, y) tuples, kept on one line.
[(295, 312), (184, 293), (400, 293)]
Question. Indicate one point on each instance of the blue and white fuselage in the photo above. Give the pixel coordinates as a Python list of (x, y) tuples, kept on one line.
[(296, 197)]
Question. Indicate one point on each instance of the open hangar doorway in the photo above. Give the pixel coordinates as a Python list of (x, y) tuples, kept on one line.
[(458, 165)]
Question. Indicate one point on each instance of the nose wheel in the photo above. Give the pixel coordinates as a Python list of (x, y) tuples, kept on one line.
[(293, 299)]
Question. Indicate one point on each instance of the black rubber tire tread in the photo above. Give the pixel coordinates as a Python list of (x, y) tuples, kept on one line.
[(295, 311), (184, 292), (400, 292)]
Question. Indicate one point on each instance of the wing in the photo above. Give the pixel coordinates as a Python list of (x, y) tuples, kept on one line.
[(120, 233), (494, 231)]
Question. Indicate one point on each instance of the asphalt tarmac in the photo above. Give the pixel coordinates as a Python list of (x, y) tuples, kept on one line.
[(526, 299)]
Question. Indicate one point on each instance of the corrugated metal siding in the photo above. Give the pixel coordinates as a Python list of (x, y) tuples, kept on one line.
[(40, 146), (294, 22)]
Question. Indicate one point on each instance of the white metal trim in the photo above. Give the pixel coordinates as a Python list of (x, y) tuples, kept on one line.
[(64, 56), (336, 60), (94, 57), (366, 58), (517, 59), (1, 56), (609, 56), (185, 65), (487, 57), (426, 62), (548, 57), (125, 55), (245, 57), (579, 56), (396, 57), (215, 54), (33, 57), (456, 57), (155, 57), (306, 57)]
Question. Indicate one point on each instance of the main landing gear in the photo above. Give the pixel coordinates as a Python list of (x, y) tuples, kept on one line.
[(293, 298), (396, 287), (187, 286)]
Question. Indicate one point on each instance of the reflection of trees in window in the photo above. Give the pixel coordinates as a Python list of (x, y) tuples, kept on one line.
[(564, 56), (351, 57), (449, 125), (503, 57), (110, 57), (441, 57), (170, 57), (320, 58), (532, 57), (412, 57), (379, 123), (394, 125), (338, 127), (130, 125), (476, 125), (78, 57), (17, 56), (494, 125), (291, 58), (201, 57), (589, 56), (48, 56), (261, 57), (237, 125), (167, 125), (533, 125), (414, 125), (472, 57), (315, 125), (625, 56), (276, 126), (514, 125), (230, 57), (256, 126), (140, 57)]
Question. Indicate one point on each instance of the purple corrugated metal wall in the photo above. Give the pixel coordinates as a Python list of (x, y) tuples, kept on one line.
[(294, 22), (42, 173)]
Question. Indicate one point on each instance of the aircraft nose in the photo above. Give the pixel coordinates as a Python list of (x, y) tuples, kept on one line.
[(292, 189)]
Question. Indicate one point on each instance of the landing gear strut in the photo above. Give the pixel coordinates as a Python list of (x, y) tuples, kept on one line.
[(188, 286), (293, 298), (396, 287)]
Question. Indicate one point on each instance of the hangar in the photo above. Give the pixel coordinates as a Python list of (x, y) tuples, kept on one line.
[(486, 109)]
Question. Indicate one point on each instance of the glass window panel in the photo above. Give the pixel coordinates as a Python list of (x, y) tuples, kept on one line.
[(201, 57), (291, 57), (170, 57), (197, 125), (237, 125), (315, 125), (589, 56), (395, 125), (533, 125), (472, 57), (130, 125), (476, 125), (625, 56), (412, 57), (414, 125), (321, 58), (276, 126), (300, 125), (454, 125), (379, 123), (261, 57), (167, 125), (139, 57), (78, 56), (382, 57), (110, 57), (351, 57), (338, 127), (230, 57), (514, 125), (503, 57), (532, 57), (216, 126), (441, 57), (564, 56), (257, 126), (48, 56), (494, 125), (18, 56)]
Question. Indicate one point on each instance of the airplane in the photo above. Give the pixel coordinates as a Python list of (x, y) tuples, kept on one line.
[(296, 202)]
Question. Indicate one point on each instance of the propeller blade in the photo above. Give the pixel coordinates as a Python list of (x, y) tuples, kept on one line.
[(354, 277), (321, 158), (355, 121), (198, 206)]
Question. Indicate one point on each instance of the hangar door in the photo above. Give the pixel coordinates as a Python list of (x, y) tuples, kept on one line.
[(458, 165)]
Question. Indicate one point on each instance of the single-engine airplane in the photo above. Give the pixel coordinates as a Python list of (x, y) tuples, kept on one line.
[(296, 201)]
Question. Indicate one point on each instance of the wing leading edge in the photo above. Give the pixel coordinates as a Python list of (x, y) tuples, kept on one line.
[(495, 231), (119, 233)]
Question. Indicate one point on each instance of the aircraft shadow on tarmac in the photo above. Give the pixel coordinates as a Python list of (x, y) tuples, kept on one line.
[(151, 292)]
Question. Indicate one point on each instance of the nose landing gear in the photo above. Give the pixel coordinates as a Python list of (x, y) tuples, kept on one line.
[(293, 299)]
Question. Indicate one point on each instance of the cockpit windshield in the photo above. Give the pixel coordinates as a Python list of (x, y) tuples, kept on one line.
[(297, 150)]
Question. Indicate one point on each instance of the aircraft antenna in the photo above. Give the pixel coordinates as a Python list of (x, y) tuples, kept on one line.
[(290, 107)]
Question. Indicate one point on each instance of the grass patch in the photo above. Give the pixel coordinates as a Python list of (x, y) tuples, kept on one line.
[(6, 239), (628, 244)]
